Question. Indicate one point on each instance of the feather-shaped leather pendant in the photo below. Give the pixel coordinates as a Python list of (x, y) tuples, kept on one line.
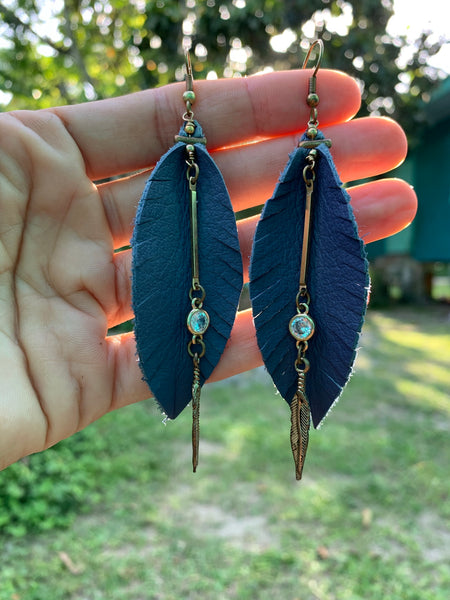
[(308, 282), (162, 272), (337, 282)]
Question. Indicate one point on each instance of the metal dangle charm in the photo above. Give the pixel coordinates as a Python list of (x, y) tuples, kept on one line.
[(301, 326), (197, 319), (308, 280), (186, 271)]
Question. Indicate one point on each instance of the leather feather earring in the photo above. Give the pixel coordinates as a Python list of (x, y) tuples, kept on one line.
[(186, 271), (308, 281)]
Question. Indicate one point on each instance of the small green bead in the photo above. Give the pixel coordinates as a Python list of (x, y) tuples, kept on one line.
[(312, 133), (190, 148), (312, 100), (189, 128), (189, 96)]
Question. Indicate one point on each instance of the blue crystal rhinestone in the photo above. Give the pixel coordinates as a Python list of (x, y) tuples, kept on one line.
[(198, 321), (301, 327)]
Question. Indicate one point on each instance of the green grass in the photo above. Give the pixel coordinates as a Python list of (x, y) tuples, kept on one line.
[(441, 287), (367, 522)]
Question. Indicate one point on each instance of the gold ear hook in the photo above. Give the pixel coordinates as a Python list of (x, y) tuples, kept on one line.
[(312, 100), (188, 117), (319, 58), (189, 76), (189, 95)]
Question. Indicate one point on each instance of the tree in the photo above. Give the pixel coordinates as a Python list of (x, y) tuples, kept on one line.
[(76, 50)]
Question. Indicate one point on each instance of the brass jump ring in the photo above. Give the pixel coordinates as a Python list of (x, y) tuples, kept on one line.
[(192, 178), (198, 288), (196, 342), (302, 365)]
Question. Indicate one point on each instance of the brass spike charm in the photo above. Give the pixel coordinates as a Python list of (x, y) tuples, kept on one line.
[(196, 390)]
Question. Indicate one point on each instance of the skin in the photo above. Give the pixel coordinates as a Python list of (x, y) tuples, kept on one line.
[(62, 286)]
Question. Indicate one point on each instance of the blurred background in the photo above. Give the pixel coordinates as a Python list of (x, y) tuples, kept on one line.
[(114, 512), (63, 52)]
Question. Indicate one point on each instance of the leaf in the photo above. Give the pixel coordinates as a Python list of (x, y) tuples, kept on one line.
[(162, 276), (337, 280), (69, 564)]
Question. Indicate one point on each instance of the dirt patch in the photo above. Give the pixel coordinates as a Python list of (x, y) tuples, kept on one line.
[(250, 532), (433, 538)]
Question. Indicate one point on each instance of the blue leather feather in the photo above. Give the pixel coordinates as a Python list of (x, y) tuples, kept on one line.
[(337, 280), (161, 273)]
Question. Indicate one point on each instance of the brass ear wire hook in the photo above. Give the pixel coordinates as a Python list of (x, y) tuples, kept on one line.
[(312, 100), (189, 76), (189, 95), (319, 58), (188, 116)]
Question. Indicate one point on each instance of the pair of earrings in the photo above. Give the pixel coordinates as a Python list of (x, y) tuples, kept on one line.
[(307, 259)]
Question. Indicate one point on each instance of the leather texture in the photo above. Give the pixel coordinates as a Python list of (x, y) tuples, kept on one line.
[(337, 279), (161, 273)]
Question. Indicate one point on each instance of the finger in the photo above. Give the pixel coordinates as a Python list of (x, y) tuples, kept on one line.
[(125, 134), (381, 209), (241, 354), (251, 171), (359, 151), (367, 147)]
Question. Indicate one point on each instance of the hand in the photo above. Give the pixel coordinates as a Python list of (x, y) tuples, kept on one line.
[(62, 286)]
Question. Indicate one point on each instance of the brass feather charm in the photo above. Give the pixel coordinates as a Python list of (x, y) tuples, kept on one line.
[(300, 423)]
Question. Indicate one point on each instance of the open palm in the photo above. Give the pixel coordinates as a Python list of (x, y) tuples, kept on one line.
[(61, 283)]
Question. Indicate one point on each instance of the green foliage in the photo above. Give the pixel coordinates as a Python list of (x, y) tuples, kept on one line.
[(78, 50), (367, 521), (71, 52), (47, 490)]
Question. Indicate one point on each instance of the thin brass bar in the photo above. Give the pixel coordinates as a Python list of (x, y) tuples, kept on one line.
[(189, 140), (194, 237), (306, 229), (314, 143)]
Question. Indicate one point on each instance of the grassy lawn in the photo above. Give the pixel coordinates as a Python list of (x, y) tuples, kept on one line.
[(367, 522)]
